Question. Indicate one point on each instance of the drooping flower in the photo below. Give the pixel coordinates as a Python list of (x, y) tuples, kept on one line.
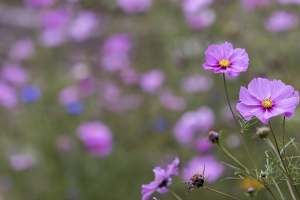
[(162, 180), (281, 21), (265, 99), (223, 58), (213, 168), (97, 138)]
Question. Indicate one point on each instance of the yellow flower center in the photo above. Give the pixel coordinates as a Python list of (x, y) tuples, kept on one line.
[(267, 103), (224, 63)]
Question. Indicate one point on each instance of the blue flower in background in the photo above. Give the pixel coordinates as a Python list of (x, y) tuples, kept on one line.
[(161, 124), (75, 108), (30, 94)]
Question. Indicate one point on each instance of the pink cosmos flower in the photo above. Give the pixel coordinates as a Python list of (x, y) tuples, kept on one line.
[(97, 138), (22, 49), (265, 99), (281, 21), (134, 6), (191, 122), (223, 58), (201, 19), (15, 74), (151, 81), (213, 168), (162, 180)]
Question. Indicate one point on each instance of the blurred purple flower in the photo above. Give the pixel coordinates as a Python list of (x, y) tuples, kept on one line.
[(68, 95), (129, 76), (281, 21), (20, 162), (86, 86), (22, 49), (253, 4), (30, 93), (196, 83), (265, 99), (213, 168), (53, 37), (169, 101), (83, 25), (286, 2), (200, 120), (39, 3), (201, 19), (203, 145), (134, 6), (15, 74), (115, 52), (152, 80), (8, 96), (194, 6), (97, 138), (162, 180), (223, 58), (113, 100), (55, 18)]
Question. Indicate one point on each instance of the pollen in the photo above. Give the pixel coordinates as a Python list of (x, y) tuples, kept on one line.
[(224, 63), (267, 103)]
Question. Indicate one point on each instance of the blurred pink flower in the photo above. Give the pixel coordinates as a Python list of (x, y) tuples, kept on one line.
[(129, 76), (64, 144), (83, 25), (201, 19), (14, 74), (196, 83), (23, 161), (202, 145), (97, 138), (286, 2), (22, 49), (134, 6), (169, 101), (8, 96), (194, 6), (55, 18), (253, 4), (68, 95), (281, 21), (38, 3), (213, 168), (152, 80), (200, 120), (115, 52), (52, 37), (115, 101)]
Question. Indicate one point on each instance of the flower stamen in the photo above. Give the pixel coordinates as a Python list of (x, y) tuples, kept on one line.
[(224, 63), (267, 103)]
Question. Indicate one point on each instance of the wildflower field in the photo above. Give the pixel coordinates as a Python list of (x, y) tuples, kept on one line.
[(149, 99)]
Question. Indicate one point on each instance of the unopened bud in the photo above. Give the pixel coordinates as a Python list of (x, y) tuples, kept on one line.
[(213, 136), (263, 132), (251, 191), (263, 175)]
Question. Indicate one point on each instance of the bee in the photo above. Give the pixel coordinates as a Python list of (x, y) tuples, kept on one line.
[(196, 181)]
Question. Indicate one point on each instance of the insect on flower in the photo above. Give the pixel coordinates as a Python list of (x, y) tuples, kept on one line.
[(196, 181)]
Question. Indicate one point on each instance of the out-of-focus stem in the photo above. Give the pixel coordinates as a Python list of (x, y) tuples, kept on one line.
[(236, 122), (175, 195), (231, 156), (221, 193), (285, 168)]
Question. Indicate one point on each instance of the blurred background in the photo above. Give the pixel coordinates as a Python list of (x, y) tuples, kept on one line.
[(94, 94)]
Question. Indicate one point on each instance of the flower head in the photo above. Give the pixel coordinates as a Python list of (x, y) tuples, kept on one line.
[(281, 21), (162, 180), (265, 99), (223, 58)]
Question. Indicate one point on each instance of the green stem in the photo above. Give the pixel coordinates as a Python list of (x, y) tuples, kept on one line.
[(269, 189), (236, 122), (283, 163), (175, 195), (231, 156), (221, 193)]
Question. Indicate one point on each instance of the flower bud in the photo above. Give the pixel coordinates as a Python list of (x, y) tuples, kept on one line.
[(263, 132), (213, 136), (263, 175), (251, 191)]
